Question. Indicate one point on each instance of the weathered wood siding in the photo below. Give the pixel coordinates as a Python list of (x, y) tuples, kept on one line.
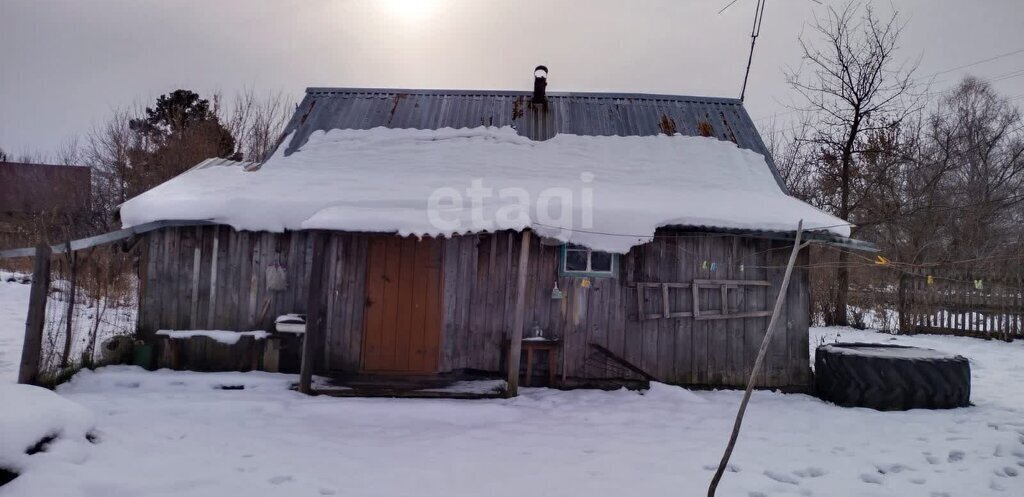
[(479, 277)]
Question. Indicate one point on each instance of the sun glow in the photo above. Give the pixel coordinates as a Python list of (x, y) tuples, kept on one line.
[(408, 10)]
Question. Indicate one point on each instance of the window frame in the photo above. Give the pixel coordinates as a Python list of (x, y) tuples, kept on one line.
[(588, 273)]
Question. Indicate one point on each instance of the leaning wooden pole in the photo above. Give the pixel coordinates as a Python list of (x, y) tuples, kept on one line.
[(69, 312), (758, 363), (515, 349), (311, 340), (32, 349)]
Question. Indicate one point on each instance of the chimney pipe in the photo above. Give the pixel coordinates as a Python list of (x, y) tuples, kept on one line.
[(540, 83)]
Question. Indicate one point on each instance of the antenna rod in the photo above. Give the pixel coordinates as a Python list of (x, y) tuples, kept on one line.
[(755, 31)]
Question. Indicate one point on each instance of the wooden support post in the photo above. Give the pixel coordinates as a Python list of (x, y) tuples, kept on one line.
[(213, 278), (197, 260), (30, 352), (515, 349), (314, 321), (72, 261), (758, 362)]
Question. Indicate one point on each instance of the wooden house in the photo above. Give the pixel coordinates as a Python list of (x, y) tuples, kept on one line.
[(682, 299)]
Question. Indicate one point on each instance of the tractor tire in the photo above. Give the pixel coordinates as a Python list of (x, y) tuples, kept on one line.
[(891, 377)]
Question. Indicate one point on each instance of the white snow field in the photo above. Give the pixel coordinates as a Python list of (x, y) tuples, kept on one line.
[(170, 433)]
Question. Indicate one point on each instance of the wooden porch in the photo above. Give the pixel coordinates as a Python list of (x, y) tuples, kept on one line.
[(447, 386)]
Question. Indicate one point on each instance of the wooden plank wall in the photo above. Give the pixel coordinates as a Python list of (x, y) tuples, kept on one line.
[(236, 297), (479, 275)]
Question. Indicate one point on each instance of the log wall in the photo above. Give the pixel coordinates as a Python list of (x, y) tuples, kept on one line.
[(213, 277)]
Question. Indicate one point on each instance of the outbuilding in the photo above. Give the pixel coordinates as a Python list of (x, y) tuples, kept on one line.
[(648, 235)]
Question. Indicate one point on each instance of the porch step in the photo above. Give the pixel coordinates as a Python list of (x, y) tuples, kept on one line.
[(454, 386)]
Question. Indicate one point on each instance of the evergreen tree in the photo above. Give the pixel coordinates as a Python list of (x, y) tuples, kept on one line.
[(180, 131)]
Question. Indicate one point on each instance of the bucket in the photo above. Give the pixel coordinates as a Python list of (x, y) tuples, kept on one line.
[(142, 355)]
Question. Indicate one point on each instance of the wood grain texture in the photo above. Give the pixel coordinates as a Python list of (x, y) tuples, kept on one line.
[(403, 314), (473, 296)]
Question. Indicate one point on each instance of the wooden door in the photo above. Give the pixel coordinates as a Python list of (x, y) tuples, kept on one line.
[(402, 324)]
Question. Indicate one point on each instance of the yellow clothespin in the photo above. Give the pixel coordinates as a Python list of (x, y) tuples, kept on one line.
[(585, 283), (931, 280), (881, 261)]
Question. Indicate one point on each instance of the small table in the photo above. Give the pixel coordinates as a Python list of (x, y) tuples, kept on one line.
[(547, 344)]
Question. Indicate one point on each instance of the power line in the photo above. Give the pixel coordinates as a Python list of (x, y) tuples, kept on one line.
[(730, 4), (921, 78), (972, 64)]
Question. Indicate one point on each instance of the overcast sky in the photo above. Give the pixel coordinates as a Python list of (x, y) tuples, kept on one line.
[(64, 65)]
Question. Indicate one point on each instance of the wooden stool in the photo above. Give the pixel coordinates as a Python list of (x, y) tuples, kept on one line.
[(551, 346)]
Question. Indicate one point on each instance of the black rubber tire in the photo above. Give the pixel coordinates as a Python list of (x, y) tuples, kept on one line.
[(891, 383)]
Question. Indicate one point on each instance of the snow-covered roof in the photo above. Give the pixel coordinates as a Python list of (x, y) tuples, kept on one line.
[(606, 192), (572, 113)]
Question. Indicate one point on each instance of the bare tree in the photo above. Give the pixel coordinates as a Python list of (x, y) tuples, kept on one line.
[(853, 84), (31, 157), (796, 159), (107, 151), (69, 153), (979, 136), (256, 122)]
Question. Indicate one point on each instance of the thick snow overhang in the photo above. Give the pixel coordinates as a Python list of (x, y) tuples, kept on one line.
[(606, 192)]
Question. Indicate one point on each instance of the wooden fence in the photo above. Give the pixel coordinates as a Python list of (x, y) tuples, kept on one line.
[(943, 302)]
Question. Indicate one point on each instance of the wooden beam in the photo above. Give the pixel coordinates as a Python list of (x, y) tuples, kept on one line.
[(113, 236), (758, 361), (515, 349), (197, 259), (212, 311), (622, 362), (314, 320), (28, 373), (69, 311)]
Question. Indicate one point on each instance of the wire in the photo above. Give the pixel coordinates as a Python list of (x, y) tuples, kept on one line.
[(738, 264), (730, 4), (975, 63), (919, 79)]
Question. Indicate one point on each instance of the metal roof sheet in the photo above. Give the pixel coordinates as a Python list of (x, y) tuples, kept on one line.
[(591, 114)]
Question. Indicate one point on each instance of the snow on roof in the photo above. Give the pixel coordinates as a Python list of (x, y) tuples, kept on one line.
[(606, 192)]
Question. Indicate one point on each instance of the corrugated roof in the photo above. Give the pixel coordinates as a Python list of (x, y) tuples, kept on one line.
[(590, 114)]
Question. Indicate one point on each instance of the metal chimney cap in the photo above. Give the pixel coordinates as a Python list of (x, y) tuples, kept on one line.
[(540, 83)]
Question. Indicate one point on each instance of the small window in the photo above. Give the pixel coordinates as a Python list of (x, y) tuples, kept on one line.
[(581, 261)]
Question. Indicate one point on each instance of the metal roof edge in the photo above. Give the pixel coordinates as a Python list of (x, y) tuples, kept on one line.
[(316, 90), (809, 235)]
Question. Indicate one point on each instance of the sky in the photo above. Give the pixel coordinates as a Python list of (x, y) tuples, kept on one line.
[(66, 65)]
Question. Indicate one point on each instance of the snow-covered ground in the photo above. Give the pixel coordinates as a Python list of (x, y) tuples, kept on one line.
[(14, 292), (179, 433), (13, 310)]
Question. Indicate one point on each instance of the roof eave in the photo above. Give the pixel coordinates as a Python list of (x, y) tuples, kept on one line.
[(326, 90)]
